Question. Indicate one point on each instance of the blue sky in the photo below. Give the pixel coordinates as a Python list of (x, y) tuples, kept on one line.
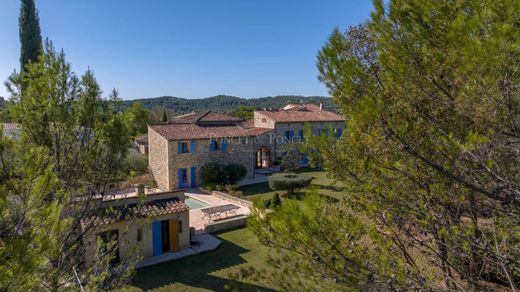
[(189, 48)]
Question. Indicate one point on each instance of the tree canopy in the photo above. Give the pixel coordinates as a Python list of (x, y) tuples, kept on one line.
[(228, 104), (430, 155), (72, 147)]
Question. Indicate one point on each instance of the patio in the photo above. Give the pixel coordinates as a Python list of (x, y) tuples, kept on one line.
[(204, 243), (198, 218)]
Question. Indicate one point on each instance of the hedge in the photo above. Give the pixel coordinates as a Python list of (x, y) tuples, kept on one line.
[(288, 182)]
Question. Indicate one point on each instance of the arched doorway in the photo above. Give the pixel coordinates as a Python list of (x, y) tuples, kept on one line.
[(263, 157)]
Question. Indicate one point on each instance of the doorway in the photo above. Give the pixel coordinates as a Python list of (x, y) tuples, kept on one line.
[(263, 157), (165, 236)]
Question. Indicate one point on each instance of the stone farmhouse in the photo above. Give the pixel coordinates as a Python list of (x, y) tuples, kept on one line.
[(179, 148), (154, 223)]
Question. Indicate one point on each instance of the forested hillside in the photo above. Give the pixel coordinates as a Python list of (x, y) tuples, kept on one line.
[(225, 103)]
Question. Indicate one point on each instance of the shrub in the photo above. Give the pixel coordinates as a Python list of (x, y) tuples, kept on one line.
[(234, 172), (291, 160), (276, 201), (210, 186), (219, 173), (288, 182), (151, 183), (136, 161), (211, 172), (233, 190)]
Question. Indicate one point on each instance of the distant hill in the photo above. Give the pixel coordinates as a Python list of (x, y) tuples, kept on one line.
[(226, 103)]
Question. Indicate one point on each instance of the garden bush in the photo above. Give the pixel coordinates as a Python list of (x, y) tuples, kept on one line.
[(220, 173), (136, 162), (288, 182), (291, 160)]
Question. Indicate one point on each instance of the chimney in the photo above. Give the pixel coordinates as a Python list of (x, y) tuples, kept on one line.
[(321, 106), (139, 189)]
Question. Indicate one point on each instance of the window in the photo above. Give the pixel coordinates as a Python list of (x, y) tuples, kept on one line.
[(214, 145), (218, 145), (289, 135), (338, 132), (264, 120), (180, 226), (182, 147), (184, 176), (139, 234), (185, 148)]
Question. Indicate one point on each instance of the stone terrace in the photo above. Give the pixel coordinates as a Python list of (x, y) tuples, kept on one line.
[(196, 215)]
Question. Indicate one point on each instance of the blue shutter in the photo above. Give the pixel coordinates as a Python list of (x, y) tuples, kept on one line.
[(339, 132), (224, 145), (193, 146), (179, 172), (291, 135), (286, 135), (157, 238), (212, 145), (193, 177), (179, 147), (300, 135)]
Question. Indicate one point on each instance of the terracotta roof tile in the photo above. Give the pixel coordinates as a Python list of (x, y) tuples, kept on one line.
[(126, 212), (195, 131), (258, 131), (203, 117), (248, 124), (303, 113)]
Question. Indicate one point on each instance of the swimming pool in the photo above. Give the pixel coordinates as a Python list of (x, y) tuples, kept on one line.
[(195, 204)]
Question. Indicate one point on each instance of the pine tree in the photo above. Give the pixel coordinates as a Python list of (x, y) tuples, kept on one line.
[(30, 34), (72, 146), (136, 118), (429, 161)]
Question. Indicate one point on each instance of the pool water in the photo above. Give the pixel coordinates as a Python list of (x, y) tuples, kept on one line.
[(194, 203)]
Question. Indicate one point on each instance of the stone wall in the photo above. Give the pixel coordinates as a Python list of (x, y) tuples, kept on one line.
[(129, 247), (262, 121), (238, 151), (232, 199), (231, 223), (283, 145), (158, 159)]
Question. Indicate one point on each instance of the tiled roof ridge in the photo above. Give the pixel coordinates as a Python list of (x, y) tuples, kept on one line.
[(203, 115)]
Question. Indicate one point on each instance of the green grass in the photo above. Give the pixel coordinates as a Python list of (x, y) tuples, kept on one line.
[(239, 249), (209, 271), (321, 182)]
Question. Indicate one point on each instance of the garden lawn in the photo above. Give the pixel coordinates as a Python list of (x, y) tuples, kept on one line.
[(208, 271), (321, 182)]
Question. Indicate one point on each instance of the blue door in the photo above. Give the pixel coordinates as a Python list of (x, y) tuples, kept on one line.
[(183, 178), (157, 238), (193, 177)]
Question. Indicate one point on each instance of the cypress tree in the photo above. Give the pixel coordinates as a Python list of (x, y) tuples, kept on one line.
[(30, 34), (164, 116)]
